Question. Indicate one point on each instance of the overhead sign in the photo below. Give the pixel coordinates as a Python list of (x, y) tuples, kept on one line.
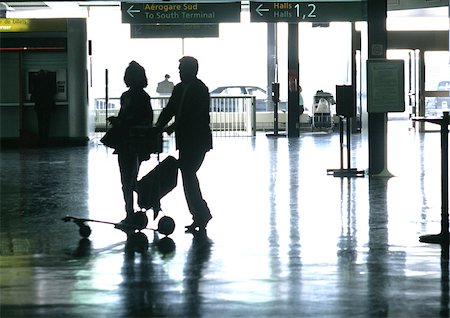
[(308, 11), (32, 25), (180, 12), (174, 30)]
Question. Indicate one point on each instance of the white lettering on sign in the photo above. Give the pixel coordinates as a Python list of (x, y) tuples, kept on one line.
[(310, 13), (200, 15), (164, 15), (175, 11), (282, 14)]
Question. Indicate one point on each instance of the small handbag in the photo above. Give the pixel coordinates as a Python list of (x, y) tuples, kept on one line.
[(145, 140), (114, 137)]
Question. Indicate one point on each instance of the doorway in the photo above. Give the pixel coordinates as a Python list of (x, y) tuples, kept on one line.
[(427, 70)]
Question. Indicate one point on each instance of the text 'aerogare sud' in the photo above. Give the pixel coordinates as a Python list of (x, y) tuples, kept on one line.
[(176, 11)]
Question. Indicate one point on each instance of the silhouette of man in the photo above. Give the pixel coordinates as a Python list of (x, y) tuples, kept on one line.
[(166, 86), (189, 104)]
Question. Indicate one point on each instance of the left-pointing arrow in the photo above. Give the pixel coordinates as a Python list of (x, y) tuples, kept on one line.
[(130, 11), (260, 9)]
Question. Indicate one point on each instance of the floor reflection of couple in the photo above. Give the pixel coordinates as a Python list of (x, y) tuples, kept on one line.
[(144, 287), (197, 260)]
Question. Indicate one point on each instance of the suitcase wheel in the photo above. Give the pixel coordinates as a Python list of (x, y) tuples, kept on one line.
[(85, 231), (166, 225), (140, 220)]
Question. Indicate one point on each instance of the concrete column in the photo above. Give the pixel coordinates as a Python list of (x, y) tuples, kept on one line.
[(272, 60), (77, 84), (293, 81), (377, 122)]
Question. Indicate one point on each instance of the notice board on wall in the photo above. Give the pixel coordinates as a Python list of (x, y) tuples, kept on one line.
[(385, 86)]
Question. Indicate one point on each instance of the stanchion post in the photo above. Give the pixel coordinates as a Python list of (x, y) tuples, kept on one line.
[(341, 140), (275, 118), (275, 99), (444, 176), (443, 236), (346, 109), (106, 99)]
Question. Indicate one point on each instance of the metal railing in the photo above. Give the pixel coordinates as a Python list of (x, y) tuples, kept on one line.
[(229, 116), (233, 115)]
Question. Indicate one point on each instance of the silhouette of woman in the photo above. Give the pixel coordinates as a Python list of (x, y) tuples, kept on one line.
[(135, 109)]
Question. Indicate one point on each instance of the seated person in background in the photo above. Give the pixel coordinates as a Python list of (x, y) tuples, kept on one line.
[(322, 106), (300, 100)]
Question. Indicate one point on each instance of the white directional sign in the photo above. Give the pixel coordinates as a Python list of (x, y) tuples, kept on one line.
[(180, 12)]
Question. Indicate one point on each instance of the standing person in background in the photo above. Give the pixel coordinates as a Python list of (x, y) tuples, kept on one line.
[(135, 109), (166, 86), (43, 95), (300, 100), (189, 104)]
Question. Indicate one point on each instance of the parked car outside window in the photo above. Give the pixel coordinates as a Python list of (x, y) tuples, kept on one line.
[(263, 102)]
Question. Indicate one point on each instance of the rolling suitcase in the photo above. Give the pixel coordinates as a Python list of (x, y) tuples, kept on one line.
[(156, 184)]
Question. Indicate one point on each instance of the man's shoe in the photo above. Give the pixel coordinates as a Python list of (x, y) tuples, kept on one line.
[(199, 225)]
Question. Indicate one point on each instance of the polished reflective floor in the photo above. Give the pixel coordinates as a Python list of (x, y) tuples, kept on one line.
[(286, 238)]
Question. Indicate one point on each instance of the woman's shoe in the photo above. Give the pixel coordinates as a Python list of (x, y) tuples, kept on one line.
[(126, 223)]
